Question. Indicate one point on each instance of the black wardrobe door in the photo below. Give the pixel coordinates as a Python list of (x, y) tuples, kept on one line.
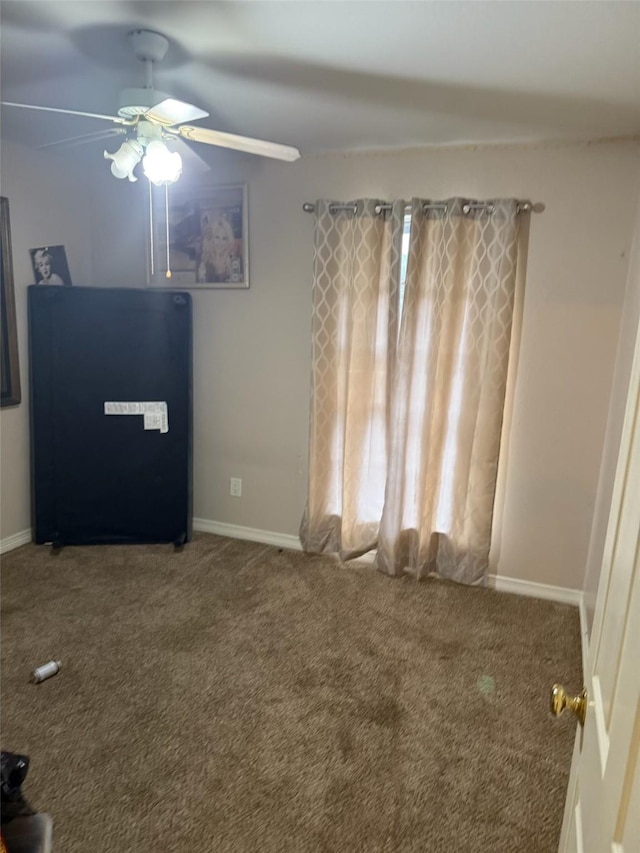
[(101, 477)]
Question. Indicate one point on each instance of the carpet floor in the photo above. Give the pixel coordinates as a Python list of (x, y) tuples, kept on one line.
[(236, 697)]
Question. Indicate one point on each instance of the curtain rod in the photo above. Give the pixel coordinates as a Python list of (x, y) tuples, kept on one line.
[(524, 206)]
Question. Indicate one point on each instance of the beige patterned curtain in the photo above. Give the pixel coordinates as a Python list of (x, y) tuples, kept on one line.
[(357, 259), (449, 390), (417, 410)]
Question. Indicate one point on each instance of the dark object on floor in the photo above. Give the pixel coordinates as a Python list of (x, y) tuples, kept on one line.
[(13, 771)]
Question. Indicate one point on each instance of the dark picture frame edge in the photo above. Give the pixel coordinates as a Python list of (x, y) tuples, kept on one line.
[(10, 367)]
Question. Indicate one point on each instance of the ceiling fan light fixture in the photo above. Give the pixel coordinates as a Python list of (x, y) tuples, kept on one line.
[(125, 159), (160, 165), (149, 116)]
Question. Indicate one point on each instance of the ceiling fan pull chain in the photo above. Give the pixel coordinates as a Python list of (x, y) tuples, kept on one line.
[(151, 246), (166, 216)]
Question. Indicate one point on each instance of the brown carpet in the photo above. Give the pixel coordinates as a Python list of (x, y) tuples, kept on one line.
[(235, 697)]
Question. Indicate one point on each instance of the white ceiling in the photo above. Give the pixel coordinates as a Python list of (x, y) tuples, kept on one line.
[(336, 75)]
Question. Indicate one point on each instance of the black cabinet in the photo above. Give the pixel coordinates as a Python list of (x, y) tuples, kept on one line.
[(111, 415)]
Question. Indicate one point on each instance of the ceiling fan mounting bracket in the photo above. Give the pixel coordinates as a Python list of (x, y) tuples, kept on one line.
[(148, 46)]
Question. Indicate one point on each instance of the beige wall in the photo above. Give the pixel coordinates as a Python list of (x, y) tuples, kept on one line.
[(48, 206), (252, 348)]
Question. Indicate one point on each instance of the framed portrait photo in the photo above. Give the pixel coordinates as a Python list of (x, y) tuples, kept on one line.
[(50, 266), (208, 240)]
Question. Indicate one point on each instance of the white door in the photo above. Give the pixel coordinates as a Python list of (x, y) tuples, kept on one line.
[(602, 813)]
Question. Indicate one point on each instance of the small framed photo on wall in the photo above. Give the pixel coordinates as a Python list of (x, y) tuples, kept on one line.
[(208, 240), (50, 265)]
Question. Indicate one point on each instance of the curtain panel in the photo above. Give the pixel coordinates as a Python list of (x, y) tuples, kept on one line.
[(408, 388), (357, 257)]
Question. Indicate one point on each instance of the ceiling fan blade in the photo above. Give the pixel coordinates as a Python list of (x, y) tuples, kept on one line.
[(67, 112), (171, 111), (86, 137), (238, 143)]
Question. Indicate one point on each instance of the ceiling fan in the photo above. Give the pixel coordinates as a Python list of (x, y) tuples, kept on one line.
[(149, 119)]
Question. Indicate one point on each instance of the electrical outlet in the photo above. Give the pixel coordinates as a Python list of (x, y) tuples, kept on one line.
[(235, 487)]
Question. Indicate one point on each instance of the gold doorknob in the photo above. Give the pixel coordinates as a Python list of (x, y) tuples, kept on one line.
[(560, 700)]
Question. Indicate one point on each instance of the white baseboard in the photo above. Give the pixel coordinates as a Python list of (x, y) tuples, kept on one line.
[(251, 534), (517, 586), (533, 589), (15, 541)]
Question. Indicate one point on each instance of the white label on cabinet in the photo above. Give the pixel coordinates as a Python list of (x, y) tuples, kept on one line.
[(155, 414)]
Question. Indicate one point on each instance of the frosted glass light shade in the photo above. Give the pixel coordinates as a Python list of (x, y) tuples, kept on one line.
[(125, 159), (160, 165)]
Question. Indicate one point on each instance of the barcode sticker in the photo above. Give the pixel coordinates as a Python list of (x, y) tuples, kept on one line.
[(155, 414)]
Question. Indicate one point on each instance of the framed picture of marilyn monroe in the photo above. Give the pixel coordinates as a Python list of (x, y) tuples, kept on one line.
[(207, 232)]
